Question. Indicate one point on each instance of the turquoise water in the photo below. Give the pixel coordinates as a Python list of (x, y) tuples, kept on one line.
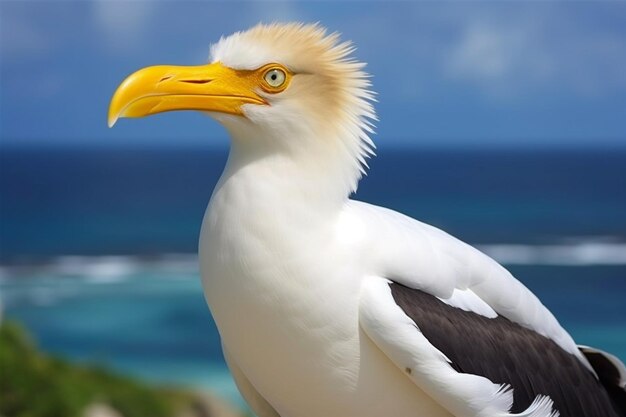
[(150, 320), (147, 320), (96, 247)]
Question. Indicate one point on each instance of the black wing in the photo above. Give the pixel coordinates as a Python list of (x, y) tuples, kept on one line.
[(507, 353), (611, 372)]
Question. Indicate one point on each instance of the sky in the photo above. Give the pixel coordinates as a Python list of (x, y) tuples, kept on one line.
[(447, 74)]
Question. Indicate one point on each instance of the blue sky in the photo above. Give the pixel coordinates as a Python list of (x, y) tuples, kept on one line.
[(449, 74)]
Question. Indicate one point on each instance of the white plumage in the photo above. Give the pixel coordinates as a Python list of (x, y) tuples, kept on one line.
[(297, 275)]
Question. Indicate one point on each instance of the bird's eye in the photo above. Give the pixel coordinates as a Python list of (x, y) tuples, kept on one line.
[(275, 77)]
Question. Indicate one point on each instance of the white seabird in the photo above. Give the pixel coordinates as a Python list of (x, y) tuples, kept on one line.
[(330, 307)]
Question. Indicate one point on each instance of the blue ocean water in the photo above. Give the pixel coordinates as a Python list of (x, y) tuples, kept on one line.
[(97, 246), (147, 201)]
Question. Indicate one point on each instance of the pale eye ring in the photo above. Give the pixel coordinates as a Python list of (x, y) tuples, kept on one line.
[(275, 77)]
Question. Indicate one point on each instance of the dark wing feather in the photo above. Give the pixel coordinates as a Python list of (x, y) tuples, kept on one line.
[(507, 353), (611, 372)]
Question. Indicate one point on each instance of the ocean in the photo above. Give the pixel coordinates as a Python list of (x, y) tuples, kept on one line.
[(97, 246)]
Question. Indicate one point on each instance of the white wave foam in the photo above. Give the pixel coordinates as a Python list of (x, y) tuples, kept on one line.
[(100, 269), (582, 253), (111, 269), (105, 269)]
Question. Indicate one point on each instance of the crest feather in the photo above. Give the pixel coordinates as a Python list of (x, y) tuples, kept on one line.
[(309, 49)]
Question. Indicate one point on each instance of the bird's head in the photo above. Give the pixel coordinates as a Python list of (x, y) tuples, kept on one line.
[(284, 87)]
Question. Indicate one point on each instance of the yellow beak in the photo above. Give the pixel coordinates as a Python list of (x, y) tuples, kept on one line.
[(162, 88)]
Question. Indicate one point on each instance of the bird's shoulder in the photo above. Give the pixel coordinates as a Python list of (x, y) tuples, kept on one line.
[(423, 257), (419, 248)]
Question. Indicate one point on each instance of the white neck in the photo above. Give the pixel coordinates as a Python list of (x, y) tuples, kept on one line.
[(270, 204), (290, 172)]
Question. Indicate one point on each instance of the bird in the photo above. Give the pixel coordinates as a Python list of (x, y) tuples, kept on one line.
[(327, 306)]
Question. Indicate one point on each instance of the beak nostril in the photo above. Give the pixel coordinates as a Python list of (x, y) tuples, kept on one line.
[(201, 81), (167, 77)]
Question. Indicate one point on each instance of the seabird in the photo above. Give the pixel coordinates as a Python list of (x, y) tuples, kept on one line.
[(331, 307)]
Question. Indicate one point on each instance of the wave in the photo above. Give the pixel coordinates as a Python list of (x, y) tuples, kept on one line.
[(112, 269), (103, 269), (582, 253), (45, 283)]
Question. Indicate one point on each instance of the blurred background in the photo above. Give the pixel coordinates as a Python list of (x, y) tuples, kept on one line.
[(500, 122)]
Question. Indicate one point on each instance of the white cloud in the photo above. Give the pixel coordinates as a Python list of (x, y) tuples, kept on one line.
[(504, 54), (123, 24), (499, 58), (500, 50), (483, 53)]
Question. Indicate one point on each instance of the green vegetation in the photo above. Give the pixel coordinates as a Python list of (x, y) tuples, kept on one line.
[(36, 385)]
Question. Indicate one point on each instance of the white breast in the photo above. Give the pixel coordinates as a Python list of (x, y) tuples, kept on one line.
[(286, 306)]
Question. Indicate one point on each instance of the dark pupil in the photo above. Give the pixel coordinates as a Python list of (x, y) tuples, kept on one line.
[(274, 77)]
